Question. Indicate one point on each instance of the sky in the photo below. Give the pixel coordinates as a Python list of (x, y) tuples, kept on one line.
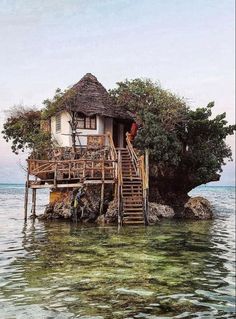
[(186, 45)]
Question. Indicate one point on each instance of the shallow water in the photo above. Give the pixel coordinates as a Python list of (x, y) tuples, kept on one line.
[(172, 270)]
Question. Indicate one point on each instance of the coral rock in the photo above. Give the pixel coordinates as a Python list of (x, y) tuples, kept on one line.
[(157, 211), (197, 208)]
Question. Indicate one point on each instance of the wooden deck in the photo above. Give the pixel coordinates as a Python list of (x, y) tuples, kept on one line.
[(58, 172), (121, 167), (71, 171)]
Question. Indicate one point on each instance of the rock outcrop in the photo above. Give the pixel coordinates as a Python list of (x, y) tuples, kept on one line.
[(158, 211), (112, 212), (197, 208), (87, 208), (111, 215)]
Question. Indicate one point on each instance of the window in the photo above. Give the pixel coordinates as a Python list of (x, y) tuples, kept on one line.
[(58, 123), (87, 122)]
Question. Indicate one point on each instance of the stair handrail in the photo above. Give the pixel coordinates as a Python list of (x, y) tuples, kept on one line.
[(112, 147), (120, 189), (141, 165), (144, 174), (132, 153)]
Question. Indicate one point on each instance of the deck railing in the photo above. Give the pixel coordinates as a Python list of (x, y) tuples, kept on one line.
[(120, 188), (72, 169), (104, 167)]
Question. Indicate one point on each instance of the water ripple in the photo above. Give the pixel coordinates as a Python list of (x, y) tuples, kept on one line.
[(173, 270)]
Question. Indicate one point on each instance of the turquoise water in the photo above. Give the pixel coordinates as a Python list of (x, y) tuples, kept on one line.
[(172, 270)]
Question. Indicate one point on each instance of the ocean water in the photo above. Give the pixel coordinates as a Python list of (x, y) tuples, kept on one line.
[(176, 269)]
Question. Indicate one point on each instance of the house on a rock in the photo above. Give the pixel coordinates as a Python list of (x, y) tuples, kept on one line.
[(92, 147), (96, 115)]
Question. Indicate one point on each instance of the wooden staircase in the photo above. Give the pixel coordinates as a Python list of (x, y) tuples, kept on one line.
[(131, 190)]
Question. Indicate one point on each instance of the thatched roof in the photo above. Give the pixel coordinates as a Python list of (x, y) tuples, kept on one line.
[(91, 98)]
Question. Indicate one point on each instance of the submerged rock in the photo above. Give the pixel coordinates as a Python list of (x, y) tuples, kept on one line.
[(139, 292), (101, 220), (197, 208), (112, 212), (157, 211)]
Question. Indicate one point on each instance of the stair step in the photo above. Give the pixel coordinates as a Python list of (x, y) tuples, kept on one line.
[(130, 182), (133, 222), (132, 210), (125, 171), (133, 206), (131, 195), (127, 167), (130, 205), (129, 199), (125, 186), (134, 186), (132, 192), (136, 210), (132, 200), (133, 215)]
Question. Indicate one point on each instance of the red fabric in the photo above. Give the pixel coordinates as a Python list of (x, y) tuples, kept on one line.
[(133, 130)]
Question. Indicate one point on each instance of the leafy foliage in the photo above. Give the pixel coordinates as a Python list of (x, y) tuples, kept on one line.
[(22, 128), (207, 149), (184, 144)]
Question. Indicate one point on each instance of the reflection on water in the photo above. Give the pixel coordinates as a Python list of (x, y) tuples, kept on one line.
[(60, 270)]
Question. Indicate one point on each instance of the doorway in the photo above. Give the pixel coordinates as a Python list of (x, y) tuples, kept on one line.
[(116, 133)]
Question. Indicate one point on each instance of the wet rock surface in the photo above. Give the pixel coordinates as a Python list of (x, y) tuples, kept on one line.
[(86, 209), (197, 208), (158, 211), (112, 212)]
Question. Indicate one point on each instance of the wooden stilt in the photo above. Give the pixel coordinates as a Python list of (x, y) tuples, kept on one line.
[(115, 190), (26, 196), (147, 185), (102, 188), (55, 176), (33, 210), (102, 199)]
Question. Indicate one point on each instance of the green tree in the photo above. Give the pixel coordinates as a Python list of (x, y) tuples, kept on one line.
[(23, 129), (187, 147)]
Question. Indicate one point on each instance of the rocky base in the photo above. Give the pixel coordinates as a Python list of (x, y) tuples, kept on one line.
[(196, 208), (87, 209), (159, 211)]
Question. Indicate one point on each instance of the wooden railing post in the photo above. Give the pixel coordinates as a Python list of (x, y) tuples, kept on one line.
[(33, 209), (26, 193), (146, 163), (102, 187), (69, 173), (119, 195), (55, 176)]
